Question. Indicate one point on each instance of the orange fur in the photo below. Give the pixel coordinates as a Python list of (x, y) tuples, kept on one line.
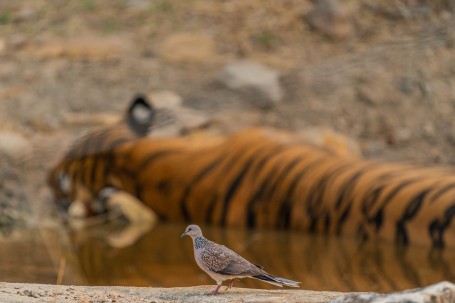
[(266, 178)]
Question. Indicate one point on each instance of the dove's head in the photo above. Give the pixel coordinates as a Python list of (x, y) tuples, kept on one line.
[(193, 231)]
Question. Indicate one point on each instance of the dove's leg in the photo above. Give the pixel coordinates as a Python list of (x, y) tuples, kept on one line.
[(231, 283), (215, 292)]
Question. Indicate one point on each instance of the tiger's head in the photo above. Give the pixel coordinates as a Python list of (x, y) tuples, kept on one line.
[(77, 180)]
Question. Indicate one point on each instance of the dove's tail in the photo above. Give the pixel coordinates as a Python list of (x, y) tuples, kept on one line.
[(278, 281)]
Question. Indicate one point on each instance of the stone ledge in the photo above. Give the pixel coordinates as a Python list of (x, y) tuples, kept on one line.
[(443, 292)]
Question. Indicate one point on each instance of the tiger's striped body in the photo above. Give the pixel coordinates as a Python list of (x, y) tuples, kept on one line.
[(268, 179)]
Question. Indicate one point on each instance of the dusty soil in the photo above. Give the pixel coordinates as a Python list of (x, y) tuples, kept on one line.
[(383, 74), (443, 292), (30, 293)]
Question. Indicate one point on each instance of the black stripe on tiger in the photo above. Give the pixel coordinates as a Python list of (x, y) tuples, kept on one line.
[(437, 228), (259, 162), (251, 216), (286, 204), (346, 191), (411, 210), (315, 207), (227, 159), (196, 179), (378, 217)]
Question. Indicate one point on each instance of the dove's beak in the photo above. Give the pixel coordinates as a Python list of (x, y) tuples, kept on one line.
[(183, 235)]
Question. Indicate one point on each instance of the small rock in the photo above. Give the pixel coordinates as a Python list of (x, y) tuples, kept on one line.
[(443, 292), (259, 83), (137, 4), (31, 293), (330, 18), (13, 144), (188, 48)]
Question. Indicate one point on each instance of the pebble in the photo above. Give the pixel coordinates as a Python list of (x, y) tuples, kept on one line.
[(258, 83), (331, 18), (13, 144), (137, 4), (443, 292)]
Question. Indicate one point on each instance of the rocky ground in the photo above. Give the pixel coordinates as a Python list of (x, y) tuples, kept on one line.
[(30, 293), (382, 74)]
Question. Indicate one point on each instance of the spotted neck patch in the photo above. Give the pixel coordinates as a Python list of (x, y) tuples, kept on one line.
[(200, 242)]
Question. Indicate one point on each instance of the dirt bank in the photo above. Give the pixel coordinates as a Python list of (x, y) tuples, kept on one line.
[(33, 293), (443, 292)]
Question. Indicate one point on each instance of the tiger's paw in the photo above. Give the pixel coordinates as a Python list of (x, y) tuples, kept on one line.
[(141, 219)]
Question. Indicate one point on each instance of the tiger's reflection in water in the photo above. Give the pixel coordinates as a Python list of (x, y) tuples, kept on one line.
[(161, 259)]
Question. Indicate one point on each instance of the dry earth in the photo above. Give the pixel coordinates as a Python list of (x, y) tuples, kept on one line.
[(31, 293), (443, 292), (383, 74)]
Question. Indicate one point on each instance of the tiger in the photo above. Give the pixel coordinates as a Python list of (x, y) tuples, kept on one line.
[(257, 178)]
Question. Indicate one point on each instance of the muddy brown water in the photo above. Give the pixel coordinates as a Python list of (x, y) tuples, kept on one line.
[(161, 258)]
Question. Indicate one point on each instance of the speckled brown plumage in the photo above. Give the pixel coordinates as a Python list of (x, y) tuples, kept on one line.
[(221, 263), (222, 260)]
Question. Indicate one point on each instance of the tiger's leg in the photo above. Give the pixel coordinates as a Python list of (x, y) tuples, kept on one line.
[(141, 218)]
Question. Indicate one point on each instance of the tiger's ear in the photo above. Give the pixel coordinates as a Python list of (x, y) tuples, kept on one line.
[(140, 115)]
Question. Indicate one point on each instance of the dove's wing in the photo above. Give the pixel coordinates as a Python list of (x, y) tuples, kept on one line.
[(221, 260)]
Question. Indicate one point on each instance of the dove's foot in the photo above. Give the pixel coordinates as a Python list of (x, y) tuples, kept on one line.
[(215, 292), (231, 283)]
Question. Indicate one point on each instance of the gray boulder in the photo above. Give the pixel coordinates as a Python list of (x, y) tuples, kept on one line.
[(443, 292), (258, 84)]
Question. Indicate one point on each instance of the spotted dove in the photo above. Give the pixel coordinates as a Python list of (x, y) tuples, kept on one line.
[(222, 264)]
